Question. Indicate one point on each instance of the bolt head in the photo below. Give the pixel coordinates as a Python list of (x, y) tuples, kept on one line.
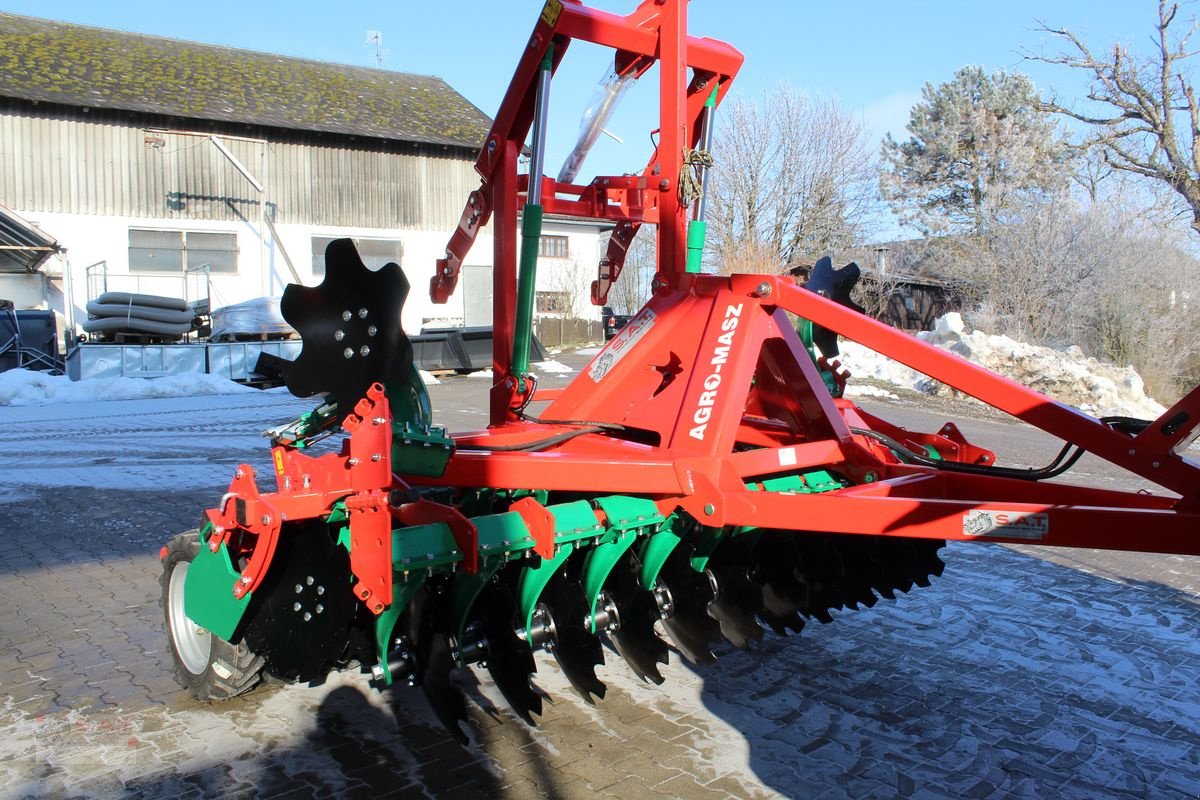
[(347, 316), (362, 313), (339, 335), (763, 289)]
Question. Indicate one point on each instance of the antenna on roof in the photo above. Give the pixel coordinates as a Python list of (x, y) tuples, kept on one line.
[(376, 38)]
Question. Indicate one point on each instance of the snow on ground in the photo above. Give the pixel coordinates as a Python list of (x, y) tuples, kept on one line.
[(22, 387), (867, 390), (552, 366), (587, 351), (1068, 376), (428, 378), (480, 373)]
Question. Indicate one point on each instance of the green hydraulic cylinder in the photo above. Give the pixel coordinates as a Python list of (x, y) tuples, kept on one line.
[(698, 228), (531, 228)]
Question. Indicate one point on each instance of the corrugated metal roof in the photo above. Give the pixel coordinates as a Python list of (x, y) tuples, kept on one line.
[(56, 62), (23, 247)]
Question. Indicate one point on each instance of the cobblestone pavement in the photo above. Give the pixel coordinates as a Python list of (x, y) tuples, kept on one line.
[(1012, 676)]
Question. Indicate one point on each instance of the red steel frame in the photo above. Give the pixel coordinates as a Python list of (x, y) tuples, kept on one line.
[(713, 385)]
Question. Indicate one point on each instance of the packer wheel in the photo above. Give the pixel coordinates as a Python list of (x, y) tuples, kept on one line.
[(205, 664)]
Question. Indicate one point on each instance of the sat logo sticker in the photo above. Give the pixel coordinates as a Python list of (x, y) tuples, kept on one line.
[(1010, 524)]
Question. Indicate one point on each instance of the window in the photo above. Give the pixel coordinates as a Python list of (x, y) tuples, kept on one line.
[(374, 252), (554, 247), (553, 303), (173, 251)]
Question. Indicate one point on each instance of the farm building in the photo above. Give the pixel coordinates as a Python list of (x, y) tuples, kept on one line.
[(169, 167)]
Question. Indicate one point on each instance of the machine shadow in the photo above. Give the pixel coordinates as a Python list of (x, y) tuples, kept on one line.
[(354, 748), (1010, 676)]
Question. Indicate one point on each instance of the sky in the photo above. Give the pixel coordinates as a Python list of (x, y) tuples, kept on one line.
[(873, 57)]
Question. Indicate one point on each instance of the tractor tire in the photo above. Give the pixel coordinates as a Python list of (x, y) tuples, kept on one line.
[(209, 667)]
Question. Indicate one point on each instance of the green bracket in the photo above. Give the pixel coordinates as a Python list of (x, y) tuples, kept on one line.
[(464, 591), (423, 547), (654, 554), (535, 579), (573, 522), (599, 565), (628, 518), (208, 590), (710, 539)]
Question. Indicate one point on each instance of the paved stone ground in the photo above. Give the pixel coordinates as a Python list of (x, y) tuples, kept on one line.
[(1013, 676)]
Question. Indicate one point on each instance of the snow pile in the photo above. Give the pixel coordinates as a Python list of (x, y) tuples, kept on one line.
[(1095, 387), (22, 387), (428, 378)]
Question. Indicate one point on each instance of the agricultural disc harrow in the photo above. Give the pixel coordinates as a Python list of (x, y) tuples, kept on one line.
[(702, 480)]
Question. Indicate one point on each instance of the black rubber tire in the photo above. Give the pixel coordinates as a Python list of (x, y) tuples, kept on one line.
[(231, 669)]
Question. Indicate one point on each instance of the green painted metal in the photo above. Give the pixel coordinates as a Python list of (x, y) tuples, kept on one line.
[(573, 523), (654, 554), (313, 422), (697, 233), (385, 623), (710, 539), (409, 399), (464, 590), (697, 230), (531, 234), (820, 480), (804, 328), (418, 446), (785, 483), (599, 565), (503, 534), (628, 518), (208, 590), (535, 579), (423, 547)]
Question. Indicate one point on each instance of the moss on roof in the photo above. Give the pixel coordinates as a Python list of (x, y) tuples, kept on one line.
[(55, 62)]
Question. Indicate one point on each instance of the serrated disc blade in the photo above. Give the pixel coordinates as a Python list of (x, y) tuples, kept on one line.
[(635, 639), (577, 650), (431, 657), (688, 624), (445, 699), (509, 658), (735, 605)]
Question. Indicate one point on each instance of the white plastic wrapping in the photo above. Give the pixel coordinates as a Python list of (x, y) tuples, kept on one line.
[(595, 117), (256, 317)]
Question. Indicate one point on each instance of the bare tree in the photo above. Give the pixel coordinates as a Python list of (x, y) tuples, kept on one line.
[(632, 289), (569, 283), (793, 180), (1143, 108)]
